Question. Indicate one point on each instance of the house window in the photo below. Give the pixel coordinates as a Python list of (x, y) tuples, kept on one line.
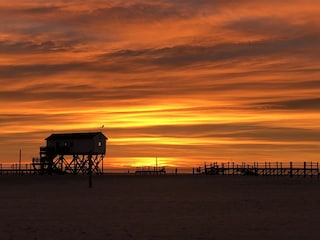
[(99, 144)]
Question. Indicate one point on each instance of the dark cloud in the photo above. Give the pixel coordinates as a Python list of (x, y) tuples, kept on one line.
[(41, 10), (31, 10), (58, 21), (38, 70), (239, 131), (181, 56), (148, 60), (64, 92), (25, 47), (271, 27), (133, 13), (133, 87), (310, 104)]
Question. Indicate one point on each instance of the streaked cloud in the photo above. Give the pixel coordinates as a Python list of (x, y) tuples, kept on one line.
[(187, 81)]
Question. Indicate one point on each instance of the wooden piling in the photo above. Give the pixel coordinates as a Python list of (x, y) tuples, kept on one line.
[(233, 169), (20, 154), (90, 170)]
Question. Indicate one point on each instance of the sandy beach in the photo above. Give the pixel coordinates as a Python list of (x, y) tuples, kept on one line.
[(159, 207)]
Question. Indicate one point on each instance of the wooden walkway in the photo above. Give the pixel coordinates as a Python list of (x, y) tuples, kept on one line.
[(14, 169), (304, 169), (263, 169), (150, 171)]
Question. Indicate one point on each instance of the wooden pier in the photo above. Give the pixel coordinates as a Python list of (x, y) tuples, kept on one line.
[(150, 171), (291, 169), (17, 169), (304, 169)]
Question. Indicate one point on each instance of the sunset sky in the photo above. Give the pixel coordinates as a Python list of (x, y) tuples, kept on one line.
[(188, 81)]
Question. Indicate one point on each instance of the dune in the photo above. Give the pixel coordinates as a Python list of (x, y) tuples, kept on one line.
[(159, 207)]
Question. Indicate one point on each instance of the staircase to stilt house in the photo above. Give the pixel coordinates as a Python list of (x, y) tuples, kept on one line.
[(45, 163)]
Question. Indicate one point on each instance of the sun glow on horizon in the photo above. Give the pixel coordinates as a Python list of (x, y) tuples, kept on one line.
[(137, 162)]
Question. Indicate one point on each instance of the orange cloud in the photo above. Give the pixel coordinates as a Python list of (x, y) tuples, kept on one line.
[(188, 81)]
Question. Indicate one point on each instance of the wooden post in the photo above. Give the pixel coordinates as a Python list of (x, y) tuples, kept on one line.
[(304, 169), (270, 172), (232, 168), (103, 167), (61, 162), (90, 170), (228, 169), (222, 166), (20, 161), (290, 169)]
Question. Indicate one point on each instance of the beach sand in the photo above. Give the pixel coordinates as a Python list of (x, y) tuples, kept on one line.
[(159, 207)]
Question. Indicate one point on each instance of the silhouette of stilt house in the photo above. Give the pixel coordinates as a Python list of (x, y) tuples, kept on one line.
[(74, 153)]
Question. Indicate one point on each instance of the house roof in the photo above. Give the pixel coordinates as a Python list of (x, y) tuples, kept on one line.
[(82, 135)]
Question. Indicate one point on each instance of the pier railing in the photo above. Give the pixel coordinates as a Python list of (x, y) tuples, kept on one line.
[(16, 169), (304, 169), (263, 169), (150, 171)]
